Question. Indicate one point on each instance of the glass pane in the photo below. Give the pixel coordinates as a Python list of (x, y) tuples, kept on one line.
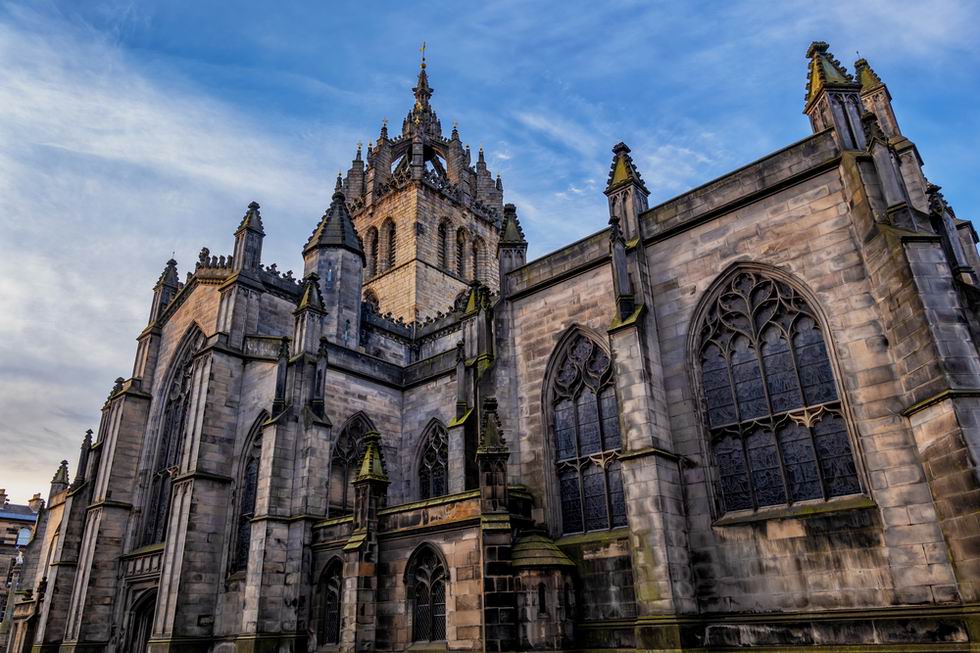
[(425, 484), (834, 453), (422, 624), (571, 504), (593, 485), (784, 389), (439, 481), (748, 381), (243, 542), (717, 387), (800, 462), (610, 419), (565, 430), (588, 423), (617, 498), (439, 611), (767, 481), (733, 473), (815, 370)]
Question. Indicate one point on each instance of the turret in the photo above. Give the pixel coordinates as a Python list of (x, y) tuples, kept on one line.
[(334, 254), (80, 470), (308, 317), (876, 98), (165, 289), (626, 192), (622, 284), (248, 240), (833, 98), (512, 246)]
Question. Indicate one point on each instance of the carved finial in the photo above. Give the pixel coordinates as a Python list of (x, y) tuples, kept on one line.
[(422, 50)]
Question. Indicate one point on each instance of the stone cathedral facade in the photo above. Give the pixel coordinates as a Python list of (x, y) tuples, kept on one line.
[(748, 416)]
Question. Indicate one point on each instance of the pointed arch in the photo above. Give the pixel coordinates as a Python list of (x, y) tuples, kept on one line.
[(432, 460), (461, 253), (477, 259), (141, 621), (246, 493), (345, 455), (171, 429), (389, 244), (426, 582), (328, 600), (372, 250), (775, 418), (581, 412), (442, 244)]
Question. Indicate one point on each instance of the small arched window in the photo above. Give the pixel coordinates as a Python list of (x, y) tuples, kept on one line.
[(434, 462), (347, 453), (390, 244), (173, 423), (585, 432), (330, 594), (443, 245), (248, 491), (427, 592), (542, 599), (461, 252), (372, 243), (775, 420)]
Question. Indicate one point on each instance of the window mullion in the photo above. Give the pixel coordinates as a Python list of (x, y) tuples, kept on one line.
[(803, 400)]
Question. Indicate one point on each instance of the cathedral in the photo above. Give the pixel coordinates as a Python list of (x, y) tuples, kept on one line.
[(746, 417)]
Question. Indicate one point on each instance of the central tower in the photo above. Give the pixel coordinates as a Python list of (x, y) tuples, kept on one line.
[(429, 220)]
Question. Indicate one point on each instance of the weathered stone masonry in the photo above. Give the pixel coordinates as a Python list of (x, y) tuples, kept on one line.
[(747, 416)]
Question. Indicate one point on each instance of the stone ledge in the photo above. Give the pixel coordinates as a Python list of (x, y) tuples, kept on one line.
[(800, 510)]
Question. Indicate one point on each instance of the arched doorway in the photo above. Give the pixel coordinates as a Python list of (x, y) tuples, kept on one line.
[(141, 622)]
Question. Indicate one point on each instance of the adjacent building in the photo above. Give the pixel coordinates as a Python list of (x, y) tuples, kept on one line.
[(747, 416)]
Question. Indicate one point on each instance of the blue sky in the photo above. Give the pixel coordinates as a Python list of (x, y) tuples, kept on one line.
[(132, 130)]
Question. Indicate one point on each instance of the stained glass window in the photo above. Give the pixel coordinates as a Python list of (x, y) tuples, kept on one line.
[(427, 582), (434, 463), (173, 422), (772, 407), (330, 590), (586, 436), (246, 505), (346, 455)]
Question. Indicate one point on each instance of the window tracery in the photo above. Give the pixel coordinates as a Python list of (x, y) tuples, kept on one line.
[(344, 460), (427, 583), (172, 430), (775, 420), (330, 590), (248, 491), (434, 463), (586, 436)]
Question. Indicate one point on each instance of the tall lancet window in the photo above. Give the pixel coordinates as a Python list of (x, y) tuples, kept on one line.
[(461, 252), (426, 580), (372, 241), (172, 428), (585, 432), (476, 256), (247, 493), (390, 243), (346, 456), (774, 415), (330, 594), (434, 462), (443, 245)]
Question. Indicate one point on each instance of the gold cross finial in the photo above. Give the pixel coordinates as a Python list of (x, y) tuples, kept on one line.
[(422, 50)]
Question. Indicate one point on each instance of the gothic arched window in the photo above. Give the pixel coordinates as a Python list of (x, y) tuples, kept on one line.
[(248, 490), (434, 462), (585, 432), (173, 423), (774, 416), (461, 252), (330, 594), (476, 254), (346, 455), (443, 245), (372, 241), (390, 244), (427, 592)]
